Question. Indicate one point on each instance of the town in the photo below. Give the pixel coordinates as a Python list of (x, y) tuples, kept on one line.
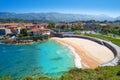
[(27, 32)]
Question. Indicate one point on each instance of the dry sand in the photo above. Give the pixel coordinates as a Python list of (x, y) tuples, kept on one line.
[(91, 53)]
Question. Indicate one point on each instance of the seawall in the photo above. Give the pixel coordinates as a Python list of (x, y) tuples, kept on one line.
[(114, 48)]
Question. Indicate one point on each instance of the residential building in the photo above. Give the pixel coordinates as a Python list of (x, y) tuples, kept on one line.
[(5, 31), (39, 31)]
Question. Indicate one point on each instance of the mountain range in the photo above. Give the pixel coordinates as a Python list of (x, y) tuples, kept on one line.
[(56, 17)]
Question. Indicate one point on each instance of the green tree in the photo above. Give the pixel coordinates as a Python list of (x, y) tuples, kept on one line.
[(51, 25), (23, 32), (73, 28), (63, 26)]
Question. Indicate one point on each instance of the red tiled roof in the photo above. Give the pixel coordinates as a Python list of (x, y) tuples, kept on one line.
[(23, 25), (12, 26), (29, 24), (38, 29)]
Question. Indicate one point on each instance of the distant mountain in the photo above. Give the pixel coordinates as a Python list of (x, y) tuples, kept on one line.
[(55, 17), (118, 18)]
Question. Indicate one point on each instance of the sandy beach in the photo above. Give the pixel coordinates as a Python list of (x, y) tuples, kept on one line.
[(90, 53)]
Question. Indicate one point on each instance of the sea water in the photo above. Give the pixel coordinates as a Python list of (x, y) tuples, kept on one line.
[(48, 58)]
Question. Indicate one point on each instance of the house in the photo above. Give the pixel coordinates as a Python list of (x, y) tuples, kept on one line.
[(29, 25), (5, 31), (103, 24), (33, 29), (35, 25), (88, 32), (14, 29), (2, 26), (39, 31)]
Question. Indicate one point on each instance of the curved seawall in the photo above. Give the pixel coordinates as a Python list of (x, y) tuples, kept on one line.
[(114, 48)]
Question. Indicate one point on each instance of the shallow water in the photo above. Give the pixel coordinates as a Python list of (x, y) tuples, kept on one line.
[(48, 58)]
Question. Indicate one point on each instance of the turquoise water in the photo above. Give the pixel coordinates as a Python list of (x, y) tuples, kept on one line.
[(48, 58)]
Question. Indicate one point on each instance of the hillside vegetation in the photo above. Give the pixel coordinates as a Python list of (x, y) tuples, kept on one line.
[(55, 17), (100, 73)]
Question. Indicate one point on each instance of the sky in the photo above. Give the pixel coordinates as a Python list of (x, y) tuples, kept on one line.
[(92, 7)]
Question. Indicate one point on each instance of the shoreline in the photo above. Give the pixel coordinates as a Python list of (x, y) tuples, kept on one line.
[(22, 42), (77, 58), (90, 53)]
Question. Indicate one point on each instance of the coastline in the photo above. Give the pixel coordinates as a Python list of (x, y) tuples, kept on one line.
[(22, 42), (90, 53), (77, 58)]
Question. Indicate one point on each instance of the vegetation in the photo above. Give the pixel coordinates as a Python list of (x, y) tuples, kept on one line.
[(51, 25), (63, 27), (23, 33), (10, 20), (6, 78), (100, 73), (113, 40), (34, 38), (110, 29), (19, 20), (74, 28), (77, 32)]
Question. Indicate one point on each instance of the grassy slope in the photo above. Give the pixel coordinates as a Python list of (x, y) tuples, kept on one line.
[(113, 40), (101, 73)]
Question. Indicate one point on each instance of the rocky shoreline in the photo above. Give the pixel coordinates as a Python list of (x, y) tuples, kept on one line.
[(19, 41), (23, 40)]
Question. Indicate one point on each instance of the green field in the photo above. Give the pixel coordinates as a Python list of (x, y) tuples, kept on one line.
[(113, 40)]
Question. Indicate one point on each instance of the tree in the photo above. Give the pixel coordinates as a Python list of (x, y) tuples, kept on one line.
[(51, 25), (73, 28), (23, 32), (63, 26)]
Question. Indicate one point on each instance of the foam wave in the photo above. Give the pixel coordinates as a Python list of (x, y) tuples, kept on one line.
[(77, 58)]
